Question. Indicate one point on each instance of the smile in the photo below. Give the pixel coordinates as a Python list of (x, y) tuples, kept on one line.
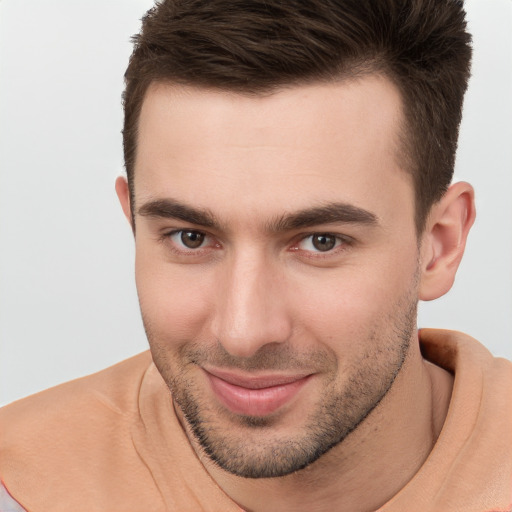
[(254, 396)]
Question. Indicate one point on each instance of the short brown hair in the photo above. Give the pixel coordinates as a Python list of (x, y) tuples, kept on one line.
[(255, 46)]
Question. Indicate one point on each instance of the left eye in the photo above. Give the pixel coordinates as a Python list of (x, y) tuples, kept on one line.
[(188, 239), (320, 242)]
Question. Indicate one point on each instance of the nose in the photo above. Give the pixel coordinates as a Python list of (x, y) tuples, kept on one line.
[(252, 309)]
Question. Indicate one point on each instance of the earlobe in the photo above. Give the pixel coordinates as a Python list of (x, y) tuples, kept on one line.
[(123, 193), (444, 240)]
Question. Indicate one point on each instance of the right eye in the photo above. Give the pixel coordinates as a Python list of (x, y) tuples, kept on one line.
[(320, 242), (189, 239)]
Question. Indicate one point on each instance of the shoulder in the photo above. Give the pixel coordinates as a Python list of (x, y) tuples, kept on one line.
[(470, 465), (7, 503), (472, 459), (480, 378), (453, 349), (73, 439), (71, 422), (114, 389)]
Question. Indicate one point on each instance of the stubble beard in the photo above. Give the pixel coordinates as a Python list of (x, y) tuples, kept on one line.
[(248, 446)]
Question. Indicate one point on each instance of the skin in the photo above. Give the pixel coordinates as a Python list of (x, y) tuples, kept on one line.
[(248, 177)]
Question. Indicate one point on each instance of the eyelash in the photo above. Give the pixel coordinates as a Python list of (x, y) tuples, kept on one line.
[(343, 242), (167, 237)]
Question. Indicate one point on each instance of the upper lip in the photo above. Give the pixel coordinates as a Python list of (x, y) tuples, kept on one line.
[(255, 381)]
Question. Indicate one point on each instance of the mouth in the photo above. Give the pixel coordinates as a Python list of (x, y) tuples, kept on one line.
[(259, 395)]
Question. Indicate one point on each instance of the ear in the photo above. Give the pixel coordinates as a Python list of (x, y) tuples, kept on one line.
[(444, 240), (123, 193)]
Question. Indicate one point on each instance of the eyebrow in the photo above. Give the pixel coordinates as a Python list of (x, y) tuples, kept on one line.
[(172, 209), (328, 213)]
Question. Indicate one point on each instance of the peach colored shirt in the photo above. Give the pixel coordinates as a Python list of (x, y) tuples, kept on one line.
[(111, 442)]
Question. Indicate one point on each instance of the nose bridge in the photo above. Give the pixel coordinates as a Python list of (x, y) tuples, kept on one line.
[(252, 309)]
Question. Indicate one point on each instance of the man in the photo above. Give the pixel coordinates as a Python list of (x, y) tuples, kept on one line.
[(288, 170)]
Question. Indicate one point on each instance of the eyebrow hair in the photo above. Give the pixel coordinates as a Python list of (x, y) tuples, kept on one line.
[(326, 214), (172, 209)]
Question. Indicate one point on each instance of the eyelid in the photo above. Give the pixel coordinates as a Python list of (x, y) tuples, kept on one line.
[(209, 241), (342, 243)]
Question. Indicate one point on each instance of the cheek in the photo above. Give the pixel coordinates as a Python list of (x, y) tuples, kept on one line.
[(174, 302), (357, 304)]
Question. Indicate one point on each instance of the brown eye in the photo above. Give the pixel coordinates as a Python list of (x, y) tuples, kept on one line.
[(323, 242), (192, 239)]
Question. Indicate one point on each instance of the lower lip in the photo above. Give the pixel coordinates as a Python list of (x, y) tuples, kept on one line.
[(254, 402)]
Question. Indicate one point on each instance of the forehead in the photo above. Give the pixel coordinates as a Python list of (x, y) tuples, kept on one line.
[(292, 148)]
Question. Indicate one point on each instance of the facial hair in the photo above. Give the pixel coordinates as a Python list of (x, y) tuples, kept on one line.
[(250, 446)]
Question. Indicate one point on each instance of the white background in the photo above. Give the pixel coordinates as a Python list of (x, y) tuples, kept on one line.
[(68, 304)]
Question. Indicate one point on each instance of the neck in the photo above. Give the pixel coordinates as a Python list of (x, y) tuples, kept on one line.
[(371, 465)]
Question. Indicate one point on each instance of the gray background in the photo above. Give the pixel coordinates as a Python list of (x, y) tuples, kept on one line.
[(68, 304)]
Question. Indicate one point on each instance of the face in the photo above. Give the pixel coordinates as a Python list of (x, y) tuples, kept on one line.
[(276, 264)]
